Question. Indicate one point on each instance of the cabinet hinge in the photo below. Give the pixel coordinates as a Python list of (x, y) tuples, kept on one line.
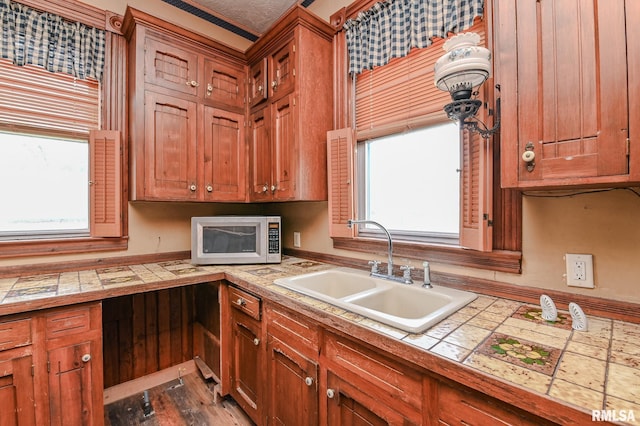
[(489, 221), (628, 147), (293, 47), (48, 366), (33, 370), (294, 72)]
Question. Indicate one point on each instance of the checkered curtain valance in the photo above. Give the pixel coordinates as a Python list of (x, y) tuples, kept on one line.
[(44, 39), (391, 28)]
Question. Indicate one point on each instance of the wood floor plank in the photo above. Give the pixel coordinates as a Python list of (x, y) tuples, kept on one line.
[(190, 403)]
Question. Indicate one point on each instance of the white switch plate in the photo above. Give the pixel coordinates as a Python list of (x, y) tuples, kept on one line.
[(580, 270), (296, 239)]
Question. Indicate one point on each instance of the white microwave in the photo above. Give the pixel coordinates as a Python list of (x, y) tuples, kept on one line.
[(219, 240)]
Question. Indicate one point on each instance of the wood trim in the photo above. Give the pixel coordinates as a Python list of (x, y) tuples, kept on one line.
[(20, 248), (614, 309), (79, 265), (132, 17), (497, 260)]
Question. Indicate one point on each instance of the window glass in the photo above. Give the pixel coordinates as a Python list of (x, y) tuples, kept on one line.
[(43, 186), (409, 182)]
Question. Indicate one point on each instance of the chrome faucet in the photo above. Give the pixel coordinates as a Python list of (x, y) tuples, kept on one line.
[(406, 278)]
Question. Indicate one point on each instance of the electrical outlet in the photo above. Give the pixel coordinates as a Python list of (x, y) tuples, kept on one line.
[(296, 239), (579, 270)]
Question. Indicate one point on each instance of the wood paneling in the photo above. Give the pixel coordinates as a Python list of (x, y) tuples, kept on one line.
[(147, 332)]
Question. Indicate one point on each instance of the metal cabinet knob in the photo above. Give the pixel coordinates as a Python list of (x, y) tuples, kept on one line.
[(209, 188), (86, 357), (192, 187), (241, 301), (331, 393), (256, 341), (308, 381), (265, 187)]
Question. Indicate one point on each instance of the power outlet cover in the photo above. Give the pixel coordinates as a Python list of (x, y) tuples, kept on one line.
[(580, 270)]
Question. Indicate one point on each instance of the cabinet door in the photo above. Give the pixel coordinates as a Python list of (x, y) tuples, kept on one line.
[(247, 364), (171, 67), (283, 140), (258, 83), (223, 84), (564, 86), (70, 385), (17, 402), (224, 155), (282, 71), (292, 386), (260, 155), (170, 148), (351, 405)]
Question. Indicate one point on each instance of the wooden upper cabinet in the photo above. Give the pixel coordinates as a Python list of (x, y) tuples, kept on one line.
[(224, 155), (566, 92), (169, 165), (258, 84), (170, 66), (224, 84), (187, 103), (296, 56), (282, 70)]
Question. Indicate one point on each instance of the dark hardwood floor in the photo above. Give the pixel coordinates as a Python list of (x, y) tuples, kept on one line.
[(191, 403)]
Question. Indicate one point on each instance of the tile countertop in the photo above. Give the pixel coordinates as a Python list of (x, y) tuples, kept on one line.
[(594, 370)]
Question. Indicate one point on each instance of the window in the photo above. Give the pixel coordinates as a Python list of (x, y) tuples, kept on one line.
[(410, 183), (61, 180), (43, 182)]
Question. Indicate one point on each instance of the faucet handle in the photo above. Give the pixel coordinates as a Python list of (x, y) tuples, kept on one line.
[(406, 272), (374, 266)]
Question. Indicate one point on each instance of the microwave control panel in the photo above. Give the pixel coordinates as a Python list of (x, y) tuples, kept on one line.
[(274, 238)]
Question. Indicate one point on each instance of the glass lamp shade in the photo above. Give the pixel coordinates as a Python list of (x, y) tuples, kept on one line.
[(464, 66)]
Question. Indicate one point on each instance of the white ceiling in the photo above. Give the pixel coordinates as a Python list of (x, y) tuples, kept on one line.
[(254, 16)]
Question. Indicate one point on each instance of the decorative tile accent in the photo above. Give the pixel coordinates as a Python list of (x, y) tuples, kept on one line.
[(267, 270), (529, 313), (523, 376), (520, 352), (129, 279), (31, 291), (306, 264)]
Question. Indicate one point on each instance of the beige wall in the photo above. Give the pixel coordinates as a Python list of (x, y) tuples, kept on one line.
[(606, 225)]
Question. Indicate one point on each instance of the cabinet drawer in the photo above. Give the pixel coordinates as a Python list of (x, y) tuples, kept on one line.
[(289, 326), (386, 379), (14, 334), (68, 321), (245, 302)]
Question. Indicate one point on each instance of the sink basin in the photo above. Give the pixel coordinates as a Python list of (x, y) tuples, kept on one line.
[(333, 283), (407, 307)]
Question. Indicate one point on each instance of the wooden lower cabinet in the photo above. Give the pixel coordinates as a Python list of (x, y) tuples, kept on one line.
[(365, 387), (458, 405), (17, 388), (51, 367), (74, 362), (292, 368)]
